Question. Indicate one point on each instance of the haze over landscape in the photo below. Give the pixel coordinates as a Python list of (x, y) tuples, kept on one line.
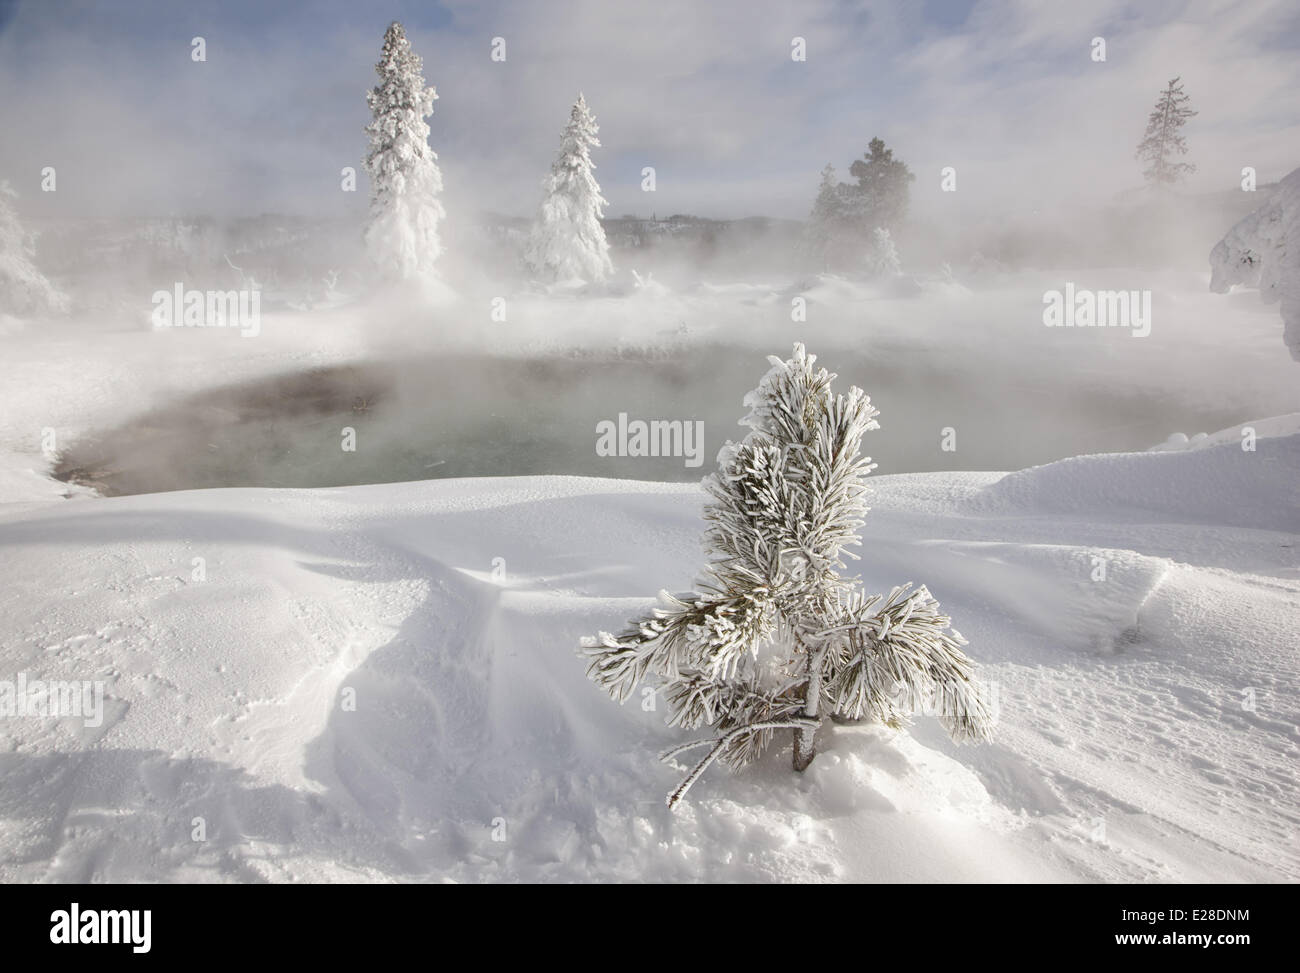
[(348, 435)]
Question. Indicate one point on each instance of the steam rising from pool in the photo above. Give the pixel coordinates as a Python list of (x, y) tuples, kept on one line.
[(486, 416)]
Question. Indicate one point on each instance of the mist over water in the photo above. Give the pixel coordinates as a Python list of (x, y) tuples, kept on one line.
[(473, 415)]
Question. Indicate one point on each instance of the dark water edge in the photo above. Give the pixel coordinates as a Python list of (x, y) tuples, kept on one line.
[(461, 416)]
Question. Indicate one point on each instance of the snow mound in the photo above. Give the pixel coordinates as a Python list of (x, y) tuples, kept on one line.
[(1216, 483), (1273, 426), (1263, 251)]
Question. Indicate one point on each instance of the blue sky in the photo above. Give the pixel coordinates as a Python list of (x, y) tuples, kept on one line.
[(706, 93)]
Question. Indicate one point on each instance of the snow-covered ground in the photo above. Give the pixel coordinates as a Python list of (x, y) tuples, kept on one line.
[(381, 682), (1147, 722)]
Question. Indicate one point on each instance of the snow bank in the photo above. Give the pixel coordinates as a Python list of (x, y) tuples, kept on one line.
[(1218, 482), (1272, 426)]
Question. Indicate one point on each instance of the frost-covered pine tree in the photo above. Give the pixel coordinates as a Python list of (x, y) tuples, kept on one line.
[(402, 235), (1263, 250), (882, 258), (826, 222), (23, 288), (567, 240), (776, 638), (883, 190), (1163, 139)]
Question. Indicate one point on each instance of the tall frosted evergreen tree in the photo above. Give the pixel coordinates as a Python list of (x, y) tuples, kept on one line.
[(567, 240), (847, 217), (776, 638), (829, 219), (883, 190), (1163, 139), (402, 235)]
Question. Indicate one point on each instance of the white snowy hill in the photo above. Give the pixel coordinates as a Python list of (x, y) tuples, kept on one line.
[(1147, 727)]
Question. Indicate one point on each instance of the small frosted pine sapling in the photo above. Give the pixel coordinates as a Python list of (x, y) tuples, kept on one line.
[(776, 639), (882, 258)]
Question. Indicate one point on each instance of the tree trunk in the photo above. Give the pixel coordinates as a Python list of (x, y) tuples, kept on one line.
[(805, 746)]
